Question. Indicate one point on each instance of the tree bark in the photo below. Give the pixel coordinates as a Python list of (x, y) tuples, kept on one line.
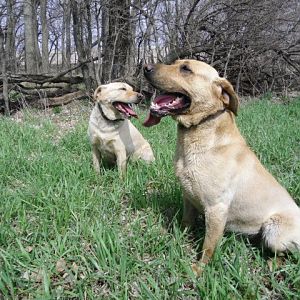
[(62, 100), (82, 50), (4, 73), (11, 37), (117, 44), (66, 34), (45, 37), (30, 31)]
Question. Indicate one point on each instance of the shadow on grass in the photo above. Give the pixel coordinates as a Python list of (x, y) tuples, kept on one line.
[(165, 199), (168, 203)]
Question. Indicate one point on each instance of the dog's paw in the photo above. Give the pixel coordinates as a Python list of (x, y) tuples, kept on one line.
[(198, 269)]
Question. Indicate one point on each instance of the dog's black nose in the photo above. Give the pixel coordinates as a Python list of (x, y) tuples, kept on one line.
[(140, 96), (148, 68)]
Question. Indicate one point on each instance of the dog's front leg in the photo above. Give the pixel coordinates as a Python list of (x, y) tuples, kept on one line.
[(96, 158), (215, 221), (121, 160), (190, 213)]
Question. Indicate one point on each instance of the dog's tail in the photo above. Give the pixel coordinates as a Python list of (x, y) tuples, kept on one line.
[(281, 232)]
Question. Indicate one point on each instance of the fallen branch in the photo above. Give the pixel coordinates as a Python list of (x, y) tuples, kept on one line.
[(49, 92), (62, 100), (41, 79), (70, 70)]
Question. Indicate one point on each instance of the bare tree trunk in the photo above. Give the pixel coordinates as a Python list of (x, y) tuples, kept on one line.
[(32, 53), (4, 72), (89, 39), (82, 49), (11, 37), (98, 65), (105, 47), (125, 38), (63, 40), (68, 33), (45, 37), (117, 46)]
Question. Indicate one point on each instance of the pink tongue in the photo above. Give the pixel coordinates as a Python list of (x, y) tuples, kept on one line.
[(126, 109), (130, 111), (151, 120), (164, 99)]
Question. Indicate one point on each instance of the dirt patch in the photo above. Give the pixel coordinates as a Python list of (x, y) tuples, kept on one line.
[(64, 117)]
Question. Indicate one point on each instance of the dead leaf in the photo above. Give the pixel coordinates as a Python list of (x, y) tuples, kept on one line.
[(75, 267), (274, 263), (26, 275), (61, 265), (37, 275), (29, 249), (197, 270), (135, 290)]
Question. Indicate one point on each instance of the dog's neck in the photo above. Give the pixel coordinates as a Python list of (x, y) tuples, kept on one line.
[(198, 120), (213, 130), (117, 120)]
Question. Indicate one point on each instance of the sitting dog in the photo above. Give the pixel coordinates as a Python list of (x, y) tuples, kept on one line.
[(220, 176), (113, 137)]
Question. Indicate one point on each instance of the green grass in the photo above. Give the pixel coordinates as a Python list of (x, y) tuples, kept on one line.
[(67, 232)]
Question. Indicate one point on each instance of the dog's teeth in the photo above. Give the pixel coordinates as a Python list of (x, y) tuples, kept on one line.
[(154, 106)]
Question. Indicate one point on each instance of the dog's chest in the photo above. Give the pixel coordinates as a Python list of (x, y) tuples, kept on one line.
[(199, 174), (191, 169)]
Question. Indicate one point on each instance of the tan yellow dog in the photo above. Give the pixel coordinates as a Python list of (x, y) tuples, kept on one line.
[(220, 176), (113, 137)]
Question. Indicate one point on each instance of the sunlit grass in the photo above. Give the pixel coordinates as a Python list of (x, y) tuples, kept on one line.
[(67, 232)]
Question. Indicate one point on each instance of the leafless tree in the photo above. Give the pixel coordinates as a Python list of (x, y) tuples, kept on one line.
[(3, 59), (256, 44), (45, 36), (32, 52)]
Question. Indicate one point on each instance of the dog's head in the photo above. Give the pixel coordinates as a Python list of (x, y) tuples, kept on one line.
[(116, 98), (191, 90)]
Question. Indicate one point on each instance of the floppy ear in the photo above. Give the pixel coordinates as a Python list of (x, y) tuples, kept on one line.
[(106, 107), (229, 97), (97, 91)]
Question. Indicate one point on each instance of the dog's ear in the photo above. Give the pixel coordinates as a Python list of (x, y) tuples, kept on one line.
[(98, 91), (228, 96)]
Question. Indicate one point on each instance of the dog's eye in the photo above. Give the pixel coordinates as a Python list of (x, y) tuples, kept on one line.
[(123, 89), (185, 69)]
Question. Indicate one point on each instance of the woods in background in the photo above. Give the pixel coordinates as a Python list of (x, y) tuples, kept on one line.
[(52, 50)]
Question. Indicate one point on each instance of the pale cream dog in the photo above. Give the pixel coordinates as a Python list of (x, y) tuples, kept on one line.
[(220, 176), (113, 137)]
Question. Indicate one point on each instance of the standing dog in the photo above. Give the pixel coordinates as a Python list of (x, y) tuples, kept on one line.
[(113, 137), (219, 174)]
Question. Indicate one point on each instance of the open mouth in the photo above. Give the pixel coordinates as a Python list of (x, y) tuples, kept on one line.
[(125, 109), (166, 104)]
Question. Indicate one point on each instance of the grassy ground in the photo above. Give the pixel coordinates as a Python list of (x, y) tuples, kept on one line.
[(66, 232)]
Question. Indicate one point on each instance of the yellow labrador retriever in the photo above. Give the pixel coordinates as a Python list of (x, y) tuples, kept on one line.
[(219, 174), (113, 137)]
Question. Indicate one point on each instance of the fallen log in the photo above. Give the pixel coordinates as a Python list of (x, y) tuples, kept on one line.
[(41, 90), (62, 100), (43, 93), (41, 79)]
